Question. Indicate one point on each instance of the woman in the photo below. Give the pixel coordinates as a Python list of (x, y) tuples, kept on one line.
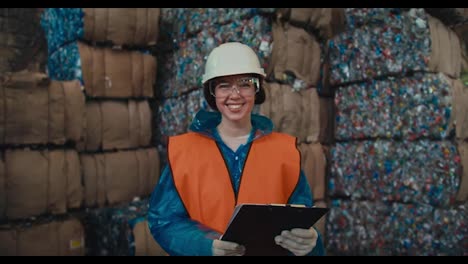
[(230, 156)]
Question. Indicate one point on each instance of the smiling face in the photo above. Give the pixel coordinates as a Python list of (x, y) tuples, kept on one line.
[(235, 96)]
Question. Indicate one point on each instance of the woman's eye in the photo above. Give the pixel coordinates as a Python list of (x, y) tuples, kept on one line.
[(244, 83)]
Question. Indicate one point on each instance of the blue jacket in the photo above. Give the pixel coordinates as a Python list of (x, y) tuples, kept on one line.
[(168, 219)]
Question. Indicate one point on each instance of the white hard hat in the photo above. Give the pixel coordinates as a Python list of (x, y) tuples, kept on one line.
[(229, 59)]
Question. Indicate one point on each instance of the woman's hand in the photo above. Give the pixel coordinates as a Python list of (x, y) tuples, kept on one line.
[(226, 248), (299, 241)]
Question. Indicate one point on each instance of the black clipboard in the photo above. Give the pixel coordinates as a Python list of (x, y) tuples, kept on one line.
[(256, 225)]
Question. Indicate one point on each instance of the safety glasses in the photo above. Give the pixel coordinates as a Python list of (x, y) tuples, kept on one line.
[(245, 86)]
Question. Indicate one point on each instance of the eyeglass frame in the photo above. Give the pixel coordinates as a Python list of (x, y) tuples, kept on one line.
[(254, 80)]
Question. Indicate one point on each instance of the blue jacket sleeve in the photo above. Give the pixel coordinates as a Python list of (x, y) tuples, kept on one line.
[(303, 195), (171, 225)]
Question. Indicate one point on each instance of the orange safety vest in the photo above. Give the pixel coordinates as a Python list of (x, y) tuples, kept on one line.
[(271, 173)]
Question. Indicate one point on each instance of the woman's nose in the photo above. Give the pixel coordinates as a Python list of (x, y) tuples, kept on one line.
[(234, 87)]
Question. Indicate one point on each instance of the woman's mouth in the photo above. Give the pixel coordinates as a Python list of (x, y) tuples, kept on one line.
[(234, 107)]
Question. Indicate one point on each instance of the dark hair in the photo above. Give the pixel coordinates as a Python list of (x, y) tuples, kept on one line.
[(211, 100)]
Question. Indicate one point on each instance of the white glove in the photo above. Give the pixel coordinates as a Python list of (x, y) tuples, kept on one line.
[(227, 248), (299, 241)]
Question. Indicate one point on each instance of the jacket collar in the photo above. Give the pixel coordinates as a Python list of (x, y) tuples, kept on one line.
[(205, 122)]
